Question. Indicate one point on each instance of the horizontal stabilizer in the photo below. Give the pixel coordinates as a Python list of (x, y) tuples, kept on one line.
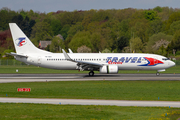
[(15, 54)]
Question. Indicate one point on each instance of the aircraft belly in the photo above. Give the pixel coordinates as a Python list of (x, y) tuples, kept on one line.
[(137, 67)]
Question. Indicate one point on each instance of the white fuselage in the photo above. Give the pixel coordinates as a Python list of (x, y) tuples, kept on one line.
[(124, 61)]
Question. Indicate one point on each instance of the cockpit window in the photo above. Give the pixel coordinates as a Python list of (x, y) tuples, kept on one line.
[(165, 59)]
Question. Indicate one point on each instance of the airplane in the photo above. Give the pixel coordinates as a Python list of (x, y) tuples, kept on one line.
[(106, 63)]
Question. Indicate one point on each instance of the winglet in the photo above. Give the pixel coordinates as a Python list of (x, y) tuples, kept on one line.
[(67, 56), (70, 51)]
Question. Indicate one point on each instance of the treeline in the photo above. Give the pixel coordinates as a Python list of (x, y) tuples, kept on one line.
[(154, 30)]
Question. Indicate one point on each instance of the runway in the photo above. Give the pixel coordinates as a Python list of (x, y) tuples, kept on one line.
[(5, 78), (92, 102)]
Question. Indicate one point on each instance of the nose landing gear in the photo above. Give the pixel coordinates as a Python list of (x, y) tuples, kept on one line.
[(91, 73)]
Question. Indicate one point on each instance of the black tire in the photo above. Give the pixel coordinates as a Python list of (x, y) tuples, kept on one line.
[(157, 74), (91, 73)]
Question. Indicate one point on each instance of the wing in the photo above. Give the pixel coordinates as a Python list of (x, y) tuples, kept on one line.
[(81, 64)]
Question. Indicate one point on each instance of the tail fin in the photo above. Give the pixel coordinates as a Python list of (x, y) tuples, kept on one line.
[(21, 42)]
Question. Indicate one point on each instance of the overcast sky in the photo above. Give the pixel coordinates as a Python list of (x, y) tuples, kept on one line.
[(71, 5)]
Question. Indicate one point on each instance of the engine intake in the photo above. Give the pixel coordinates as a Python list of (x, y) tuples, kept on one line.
[(109, 69)]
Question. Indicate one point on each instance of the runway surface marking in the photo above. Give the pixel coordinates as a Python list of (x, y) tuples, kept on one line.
[(92, 102)]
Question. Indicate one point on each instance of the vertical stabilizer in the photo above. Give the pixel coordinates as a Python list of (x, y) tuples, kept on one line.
[(21, 42)]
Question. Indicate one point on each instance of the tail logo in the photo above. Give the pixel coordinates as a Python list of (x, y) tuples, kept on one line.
[(20, 41)]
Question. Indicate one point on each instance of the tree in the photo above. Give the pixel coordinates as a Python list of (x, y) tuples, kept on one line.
[(57, 44), (56, 26), (106, 51), (125, 14), (151, 15), (33, 15), (107, 36), (92, 26), (166, 12), (175, 26), (157, 40), (162, 50), (6, 56), (84, 49), (172, 18), (75, 28), (41, 31), (23, 13), (96, 42), (24, 23), (85, 22), (155, 26), (64, 31), (121, 43), (79, 39), (157, 9), (140, 30), (123, 27), (176, 41), (6, 41), (6, 16), (160, 45), (136, 44), (101, 15)]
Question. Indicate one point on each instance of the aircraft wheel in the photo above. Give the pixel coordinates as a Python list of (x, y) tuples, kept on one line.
[(91, 73), (157, 74)]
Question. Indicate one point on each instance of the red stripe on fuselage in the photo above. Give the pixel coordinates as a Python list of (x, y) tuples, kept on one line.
[(153, 61)]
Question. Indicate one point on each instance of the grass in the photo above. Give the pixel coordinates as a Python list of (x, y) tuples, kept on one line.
[(18, 111), (115, 90), (33, 69)]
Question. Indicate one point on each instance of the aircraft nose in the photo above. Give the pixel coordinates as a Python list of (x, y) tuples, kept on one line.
[(172, 63)]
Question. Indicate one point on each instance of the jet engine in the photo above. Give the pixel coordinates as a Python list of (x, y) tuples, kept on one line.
[(109, 69)]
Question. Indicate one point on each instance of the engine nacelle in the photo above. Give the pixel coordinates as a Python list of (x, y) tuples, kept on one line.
[(109, 69)]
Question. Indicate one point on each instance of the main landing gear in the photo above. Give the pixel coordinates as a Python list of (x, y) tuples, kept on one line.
[(91, 73), (157, 74)]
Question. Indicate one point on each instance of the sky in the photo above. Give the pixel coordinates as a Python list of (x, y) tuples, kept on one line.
[(71, 5)]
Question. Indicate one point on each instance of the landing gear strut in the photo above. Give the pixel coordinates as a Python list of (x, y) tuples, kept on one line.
[(91, 73), (157, 74)]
